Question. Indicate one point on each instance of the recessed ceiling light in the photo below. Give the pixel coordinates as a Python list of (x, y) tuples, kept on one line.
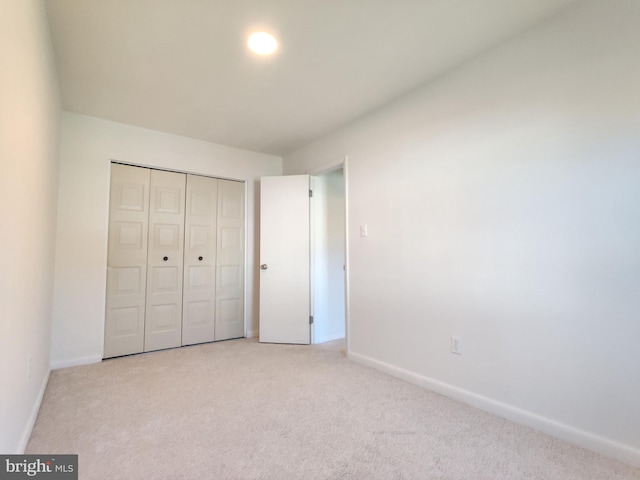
[(262, 43)]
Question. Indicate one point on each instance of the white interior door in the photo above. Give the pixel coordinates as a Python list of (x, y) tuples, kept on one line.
[(198, 317), (126, 260), (284, 258), (163, 322), (230, 266)]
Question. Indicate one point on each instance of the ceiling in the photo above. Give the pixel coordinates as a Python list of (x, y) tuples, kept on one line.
[(182, 66)]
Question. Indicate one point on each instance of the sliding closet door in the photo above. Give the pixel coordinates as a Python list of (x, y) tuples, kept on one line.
[(200, 260), (126, 261), (163, 323), (230, 269)]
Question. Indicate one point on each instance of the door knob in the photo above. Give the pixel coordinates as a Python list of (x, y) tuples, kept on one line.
[(200, 258), (165, 258), (263, 266)]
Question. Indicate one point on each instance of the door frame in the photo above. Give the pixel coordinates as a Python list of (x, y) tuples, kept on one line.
[(343, 164)]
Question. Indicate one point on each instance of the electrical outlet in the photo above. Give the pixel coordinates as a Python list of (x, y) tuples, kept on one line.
[(456, 345), (363, 230)]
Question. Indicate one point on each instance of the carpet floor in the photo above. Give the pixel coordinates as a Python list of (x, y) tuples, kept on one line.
[(244, 410)]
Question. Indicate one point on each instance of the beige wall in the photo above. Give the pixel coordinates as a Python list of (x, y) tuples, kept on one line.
[(29, 134), (88, 146), (502, 207)]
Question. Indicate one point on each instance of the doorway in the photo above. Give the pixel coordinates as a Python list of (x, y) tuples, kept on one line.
[(328, 256), (304, 267)]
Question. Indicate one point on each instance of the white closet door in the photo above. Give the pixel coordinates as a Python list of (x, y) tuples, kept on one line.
[(200, 260), (127, 261), (230, 261), (163, 322)]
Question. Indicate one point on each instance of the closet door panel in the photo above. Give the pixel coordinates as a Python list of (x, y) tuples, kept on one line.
[(126, 260), (230, 261), (163, 321), (198, 317)]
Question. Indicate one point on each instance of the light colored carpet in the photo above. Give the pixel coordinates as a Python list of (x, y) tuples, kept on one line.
[(244, 410)]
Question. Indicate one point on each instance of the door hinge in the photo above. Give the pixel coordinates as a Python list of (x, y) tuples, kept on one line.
[(310, 193), (310, 319)]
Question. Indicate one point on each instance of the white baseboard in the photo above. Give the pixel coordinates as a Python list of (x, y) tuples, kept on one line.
[(593, 442), (74, 362), (328, 338), (253, 333), (26, 435)]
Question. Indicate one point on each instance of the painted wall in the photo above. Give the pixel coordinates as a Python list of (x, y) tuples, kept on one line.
[(503, 206), (328, 256), (29, 132), (87, 148)]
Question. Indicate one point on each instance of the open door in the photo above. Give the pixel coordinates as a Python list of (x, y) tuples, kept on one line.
[(284, 259)]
